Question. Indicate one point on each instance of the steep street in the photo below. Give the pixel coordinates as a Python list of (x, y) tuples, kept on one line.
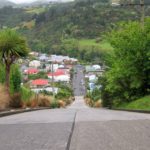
[(77, 127)]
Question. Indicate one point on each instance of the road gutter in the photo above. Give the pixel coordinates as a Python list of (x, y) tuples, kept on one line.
[(13, 112)]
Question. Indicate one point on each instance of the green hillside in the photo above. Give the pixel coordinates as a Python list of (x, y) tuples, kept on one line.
[(47, 27)]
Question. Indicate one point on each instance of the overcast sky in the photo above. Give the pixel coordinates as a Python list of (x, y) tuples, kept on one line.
[(28, 1), (22, 1)]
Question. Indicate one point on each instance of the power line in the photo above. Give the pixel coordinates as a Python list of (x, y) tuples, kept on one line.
[(141, 4)]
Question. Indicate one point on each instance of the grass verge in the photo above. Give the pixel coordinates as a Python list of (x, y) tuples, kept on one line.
[(139, 104)]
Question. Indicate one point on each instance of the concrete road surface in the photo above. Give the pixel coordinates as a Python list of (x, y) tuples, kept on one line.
[(78, 81), (75, 128)]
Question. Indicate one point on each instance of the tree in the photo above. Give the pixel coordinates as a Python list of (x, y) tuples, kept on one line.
[(12, 46), (2, 73), (15, 79), (128, 76)]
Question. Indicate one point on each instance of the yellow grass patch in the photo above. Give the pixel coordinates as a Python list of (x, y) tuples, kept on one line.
[(4, 98)]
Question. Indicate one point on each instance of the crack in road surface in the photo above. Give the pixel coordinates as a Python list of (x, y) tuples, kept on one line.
[(71, 133), (75, 129)]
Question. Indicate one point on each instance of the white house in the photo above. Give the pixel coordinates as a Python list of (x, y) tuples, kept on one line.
[(48, 89), (97, 67), (92, 78), (34, 64), (59, 75), (62, 78), (43, 57)]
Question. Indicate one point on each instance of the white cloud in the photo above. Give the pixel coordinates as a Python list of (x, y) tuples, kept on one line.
[(22, 1), (29, 1)]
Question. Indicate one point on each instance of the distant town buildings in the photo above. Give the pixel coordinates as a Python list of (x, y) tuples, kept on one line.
[(92, 73), (46, 69)]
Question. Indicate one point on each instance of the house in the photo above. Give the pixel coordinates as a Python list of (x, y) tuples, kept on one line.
[(31, 71), (58, 72), (23, 68), (115, 2), (92, 78), (48, 89), (97, 67), (62, 59), (54, 66), (92, 86), (89, 69), (43, 57), (39, 83), (35, 64), (59, 75), (62, 78), (34, 54)]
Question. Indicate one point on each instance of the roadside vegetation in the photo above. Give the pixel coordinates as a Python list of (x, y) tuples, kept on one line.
[(139, 104), (128, 74), (93, 98), (13, 94)]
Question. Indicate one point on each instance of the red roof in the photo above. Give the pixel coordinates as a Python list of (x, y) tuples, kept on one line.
[(31, 71), (58, 72), (40, 82)]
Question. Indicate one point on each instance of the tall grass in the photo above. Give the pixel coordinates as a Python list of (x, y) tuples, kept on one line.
[(26, 94), (4, 97)]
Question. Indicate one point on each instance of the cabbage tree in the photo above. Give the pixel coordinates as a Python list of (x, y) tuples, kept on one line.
[(12, 47)]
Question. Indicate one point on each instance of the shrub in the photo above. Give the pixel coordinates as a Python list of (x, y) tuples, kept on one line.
[(61, 103), (64, 92), (93, 98), (15, 101), (39, 75), (54, 104), (15, 79), (44, 101), (26, 94)]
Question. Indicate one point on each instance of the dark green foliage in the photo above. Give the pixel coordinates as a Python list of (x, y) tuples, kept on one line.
[(26, 94), (12, 47), (54, 104), (16, 100), (12, 17), (39, 75), (2, 74), (44, 92), (82, 19), (64, 92), (128, 78), (95, 95), (15, 79)]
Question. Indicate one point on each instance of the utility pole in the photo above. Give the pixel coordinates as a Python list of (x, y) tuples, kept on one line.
[(142, 7), (142, 12), (52, 70)]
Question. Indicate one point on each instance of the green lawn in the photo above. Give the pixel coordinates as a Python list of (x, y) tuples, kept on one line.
[(106, 46), (35, 10), (89, 44), (140, 104)]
